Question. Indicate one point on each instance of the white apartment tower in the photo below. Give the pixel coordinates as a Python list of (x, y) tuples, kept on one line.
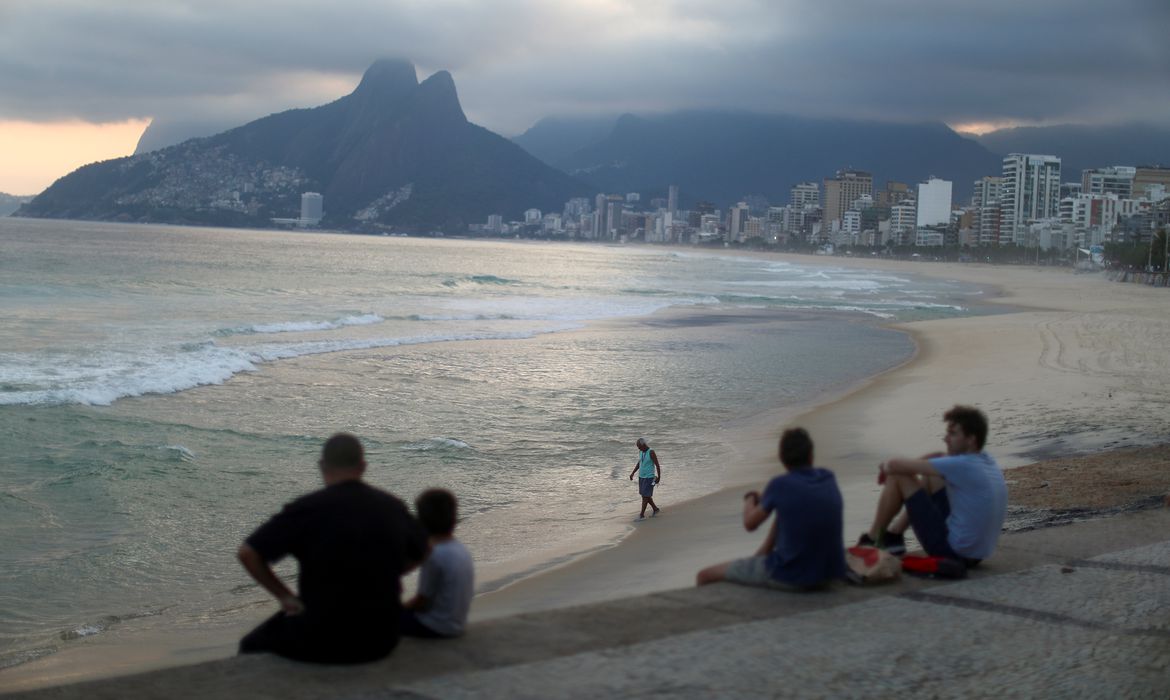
[(1029, 191), (672, 198), (806, 195), (736, 220), (934, 202), (312, 209)]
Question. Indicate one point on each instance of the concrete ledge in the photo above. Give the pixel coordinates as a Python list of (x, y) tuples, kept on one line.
[(1045, 593)]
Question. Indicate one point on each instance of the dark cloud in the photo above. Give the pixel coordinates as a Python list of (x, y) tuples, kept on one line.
[(518, 60)]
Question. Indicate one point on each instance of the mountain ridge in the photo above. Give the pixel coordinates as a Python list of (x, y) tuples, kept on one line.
[(394, 152)]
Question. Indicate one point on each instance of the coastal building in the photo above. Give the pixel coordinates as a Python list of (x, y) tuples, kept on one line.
[(934, 202), (841, 191), (312, 209), (1147, 178), (614, 206), (1029, 191), (1116, 180), (736, 219), (532, 216), (672, 198), (903, 222), (894, 193), (985, 206), (805, 195), (495, 223)]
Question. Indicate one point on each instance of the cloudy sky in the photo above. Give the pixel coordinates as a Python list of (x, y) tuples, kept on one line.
[(80, 79)]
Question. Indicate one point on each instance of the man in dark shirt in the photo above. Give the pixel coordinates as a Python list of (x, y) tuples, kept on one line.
[(353, 543), (805, 547)]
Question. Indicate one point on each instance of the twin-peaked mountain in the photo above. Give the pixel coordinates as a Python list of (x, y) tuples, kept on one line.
[(393, 152)]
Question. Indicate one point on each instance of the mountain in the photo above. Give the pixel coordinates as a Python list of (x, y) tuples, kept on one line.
[(10, 203), (554, 139), (162, 133), (393, 152), (725, 156), (1082, 147)]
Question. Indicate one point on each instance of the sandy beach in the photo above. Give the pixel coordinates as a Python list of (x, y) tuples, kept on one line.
[(1074, 365)]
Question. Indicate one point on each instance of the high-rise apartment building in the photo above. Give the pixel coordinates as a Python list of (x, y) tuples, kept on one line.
[(903, 223), (1116, 180), (672, 199), (985, 202), (805, 195), (934, 202), (1149, 177), (841, 191), (737, 217), (312, 209), (1029, 191), (894, 193)]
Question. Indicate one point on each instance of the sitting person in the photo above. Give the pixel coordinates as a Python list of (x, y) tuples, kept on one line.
[(956, 502), (805, 548), (352, 542), (447, 581)]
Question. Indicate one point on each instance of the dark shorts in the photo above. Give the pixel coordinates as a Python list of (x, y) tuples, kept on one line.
[(646, 487), (928, 516)]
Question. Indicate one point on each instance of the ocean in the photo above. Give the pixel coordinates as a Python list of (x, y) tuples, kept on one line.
[(163, 390)]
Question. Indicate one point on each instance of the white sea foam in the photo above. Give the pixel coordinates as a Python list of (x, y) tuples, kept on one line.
[(304, 326), (103, 378), (438, 443)]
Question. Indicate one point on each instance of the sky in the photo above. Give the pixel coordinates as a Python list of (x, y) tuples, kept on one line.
[(81, 79)]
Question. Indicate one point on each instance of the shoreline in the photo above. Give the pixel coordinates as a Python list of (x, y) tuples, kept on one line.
[(1047, 358), (872, 418)]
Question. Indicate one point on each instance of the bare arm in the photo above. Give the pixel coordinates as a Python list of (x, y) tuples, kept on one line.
[(753, 514), (259, 570), (908, 467), (657, 466)]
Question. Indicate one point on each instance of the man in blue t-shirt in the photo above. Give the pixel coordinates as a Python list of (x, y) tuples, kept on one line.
[(955, 502), (805, 548)]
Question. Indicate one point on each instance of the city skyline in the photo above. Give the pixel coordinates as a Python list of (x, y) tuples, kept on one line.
[(84, 80)]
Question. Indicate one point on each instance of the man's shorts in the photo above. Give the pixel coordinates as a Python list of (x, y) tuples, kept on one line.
[(928, 516), (753, 571), (646, 487)]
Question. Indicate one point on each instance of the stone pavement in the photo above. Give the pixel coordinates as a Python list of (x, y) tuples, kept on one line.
[(1081, 610)]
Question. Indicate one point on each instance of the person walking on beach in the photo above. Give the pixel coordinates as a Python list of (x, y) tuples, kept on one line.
[(955, 502), (446, 583), (805, 548), (353, 543), (645, 468)]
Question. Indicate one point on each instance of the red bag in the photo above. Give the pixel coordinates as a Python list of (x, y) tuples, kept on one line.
[(935, 567)]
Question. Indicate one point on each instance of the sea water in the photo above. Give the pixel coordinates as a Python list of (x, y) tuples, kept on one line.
[(163, 390)]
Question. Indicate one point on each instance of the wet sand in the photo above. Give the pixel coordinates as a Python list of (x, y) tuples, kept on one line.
[(1076, 366)]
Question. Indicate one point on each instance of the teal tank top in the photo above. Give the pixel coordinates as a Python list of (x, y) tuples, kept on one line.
[(645, 466)]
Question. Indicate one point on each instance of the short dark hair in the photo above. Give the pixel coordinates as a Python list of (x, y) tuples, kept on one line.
[(971, 420), (436, 511), (342, 451), (796, 448)]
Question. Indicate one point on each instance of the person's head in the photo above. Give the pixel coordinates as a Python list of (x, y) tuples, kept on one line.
[(642, 444), (796, 449), (437, 511), (342, 458), (966, 430)]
